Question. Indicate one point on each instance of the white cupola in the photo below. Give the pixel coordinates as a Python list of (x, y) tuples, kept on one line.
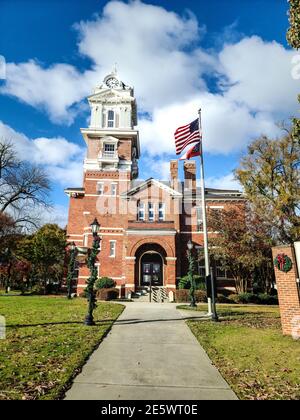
[(113, 106)]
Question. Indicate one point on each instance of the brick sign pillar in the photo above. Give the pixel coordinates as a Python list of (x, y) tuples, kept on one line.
[(288, 294)]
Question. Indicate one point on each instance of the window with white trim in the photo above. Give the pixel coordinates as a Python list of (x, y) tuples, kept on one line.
[(141, 211), (110, 119), (112, 249), (113, 189), (199, 215), (109, 150), (100, 188), (151, 212), (161, 212)]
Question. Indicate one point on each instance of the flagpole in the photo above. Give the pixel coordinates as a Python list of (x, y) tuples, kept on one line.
[(204, 220)]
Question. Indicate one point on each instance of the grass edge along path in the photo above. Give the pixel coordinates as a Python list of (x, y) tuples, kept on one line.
[(47, 344), (249, 350)]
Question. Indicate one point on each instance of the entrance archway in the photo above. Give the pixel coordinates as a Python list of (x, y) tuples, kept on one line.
[(150, 266), (151, 269)]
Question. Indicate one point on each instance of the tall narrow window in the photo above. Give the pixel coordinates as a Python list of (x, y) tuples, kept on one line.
[(86, 240), (199, 219), (113, 189), (100, 188), (151, 212), (161, 212), (112, 249), (110, 119), (141, 211)]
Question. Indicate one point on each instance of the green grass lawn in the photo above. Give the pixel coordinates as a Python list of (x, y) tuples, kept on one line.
[(46, 343), (251, 353)]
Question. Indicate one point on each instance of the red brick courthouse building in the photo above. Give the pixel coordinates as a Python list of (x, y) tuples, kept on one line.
[(145, 225)]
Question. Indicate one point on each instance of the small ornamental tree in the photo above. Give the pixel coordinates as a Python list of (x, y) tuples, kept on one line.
[(293, 38), (270, 176), (48, 254), (242, 245), (293, 34)]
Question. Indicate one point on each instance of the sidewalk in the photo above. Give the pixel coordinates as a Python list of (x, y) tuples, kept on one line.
[(150, 354)]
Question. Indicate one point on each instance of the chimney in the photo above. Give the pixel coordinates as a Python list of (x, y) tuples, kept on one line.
[(190, 176), (174, 174)]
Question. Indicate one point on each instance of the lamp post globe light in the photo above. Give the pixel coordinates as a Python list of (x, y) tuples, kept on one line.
[(89, 319), (71, 268), (191, 271)]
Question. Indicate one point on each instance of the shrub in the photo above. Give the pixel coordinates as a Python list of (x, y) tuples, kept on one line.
[(223, 299), (265, 299), (234, 298), (183, 296), (248, 298), (184, 283), (107, 294), (105, 283), (260, 299), (37, 289)]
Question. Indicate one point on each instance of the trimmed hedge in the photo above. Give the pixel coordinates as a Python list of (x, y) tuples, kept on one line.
[(260, 299), (107, 294), (182, 296), (105, 283)]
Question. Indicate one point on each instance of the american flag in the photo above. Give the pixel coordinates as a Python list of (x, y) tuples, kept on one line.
[(186, 135)]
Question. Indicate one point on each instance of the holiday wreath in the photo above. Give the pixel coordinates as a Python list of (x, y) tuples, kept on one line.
[(283, 263)]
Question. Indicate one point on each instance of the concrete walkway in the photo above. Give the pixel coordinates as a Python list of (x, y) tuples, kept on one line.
[(150, 354)]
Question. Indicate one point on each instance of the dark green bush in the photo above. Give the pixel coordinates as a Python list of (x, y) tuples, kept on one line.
[(107, 294), (184, 283), (105, 283), (265, 299), (260, 299), (248, 298)]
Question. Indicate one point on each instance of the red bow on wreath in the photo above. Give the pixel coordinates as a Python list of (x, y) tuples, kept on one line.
[(281, 261)]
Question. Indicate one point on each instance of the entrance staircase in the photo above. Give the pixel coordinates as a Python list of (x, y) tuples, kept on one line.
[(158, 295)]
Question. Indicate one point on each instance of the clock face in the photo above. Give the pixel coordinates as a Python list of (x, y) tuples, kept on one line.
[(112, 82)]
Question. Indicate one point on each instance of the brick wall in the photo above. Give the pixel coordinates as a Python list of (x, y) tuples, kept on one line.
[(288, 293)]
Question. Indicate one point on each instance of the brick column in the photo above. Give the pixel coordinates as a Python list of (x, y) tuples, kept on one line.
[(288, 293)]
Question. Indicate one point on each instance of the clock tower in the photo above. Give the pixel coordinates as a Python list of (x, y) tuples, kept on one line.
[(111, 138)]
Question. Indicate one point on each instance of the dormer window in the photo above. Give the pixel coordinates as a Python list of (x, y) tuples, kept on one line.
[(110, 119)]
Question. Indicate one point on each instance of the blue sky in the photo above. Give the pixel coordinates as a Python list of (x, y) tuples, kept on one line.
[(229, 57)]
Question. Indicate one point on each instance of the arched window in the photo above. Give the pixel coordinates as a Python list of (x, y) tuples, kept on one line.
[(110, 119)]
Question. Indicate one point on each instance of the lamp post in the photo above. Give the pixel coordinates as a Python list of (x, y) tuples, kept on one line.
[(71, 268), (89, 319), (191, 261)]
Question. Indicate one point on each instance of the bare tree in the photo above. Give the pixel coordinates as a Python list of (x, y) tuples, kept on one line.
[(23, 187)]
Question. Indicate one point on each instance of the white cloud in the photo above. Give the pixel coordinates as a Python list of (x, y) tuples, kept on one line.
[(57, 214), (54, 89), (226, 182), (60, 158), (161, 55), (259, 74), (227, 126), (151, 53)]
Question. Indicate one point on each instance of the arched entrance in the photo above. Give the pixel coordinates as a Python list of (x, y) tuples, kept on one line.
[(150, 266), (151, 269)]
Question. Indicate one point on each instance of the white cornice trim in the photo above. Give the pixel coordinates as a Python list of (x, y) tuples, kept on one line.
[(151, 232)]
